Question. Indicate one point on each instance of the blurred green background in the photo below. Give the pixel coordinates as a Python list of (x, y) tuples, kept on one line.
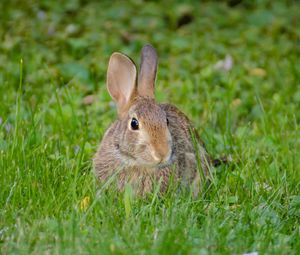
[(231, 66)]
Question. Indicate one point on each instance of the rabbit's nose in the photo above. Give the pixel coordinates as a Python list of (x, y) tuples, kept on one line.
[(157, 158), (161, 155)]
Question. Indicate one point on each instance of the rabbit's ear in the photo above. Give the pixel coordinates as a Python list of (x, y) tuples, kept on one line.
[(121, 80), (147, 71)]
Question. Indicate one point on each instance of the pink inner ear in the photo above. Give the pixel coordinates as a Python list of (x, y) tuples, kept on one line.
[(121, 80)]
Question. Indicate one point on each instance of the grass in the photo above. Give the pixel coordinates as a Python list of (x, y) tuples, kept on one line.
[(53, 55)]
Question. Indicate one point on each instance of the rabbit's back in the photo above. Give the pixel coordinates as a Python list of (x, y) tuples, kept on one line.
[(190, 153)]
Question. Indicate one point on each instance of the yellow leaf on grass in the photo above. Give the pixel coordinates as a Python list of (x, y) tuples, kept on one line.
[(84, 203), (258, 72), (236, 102)]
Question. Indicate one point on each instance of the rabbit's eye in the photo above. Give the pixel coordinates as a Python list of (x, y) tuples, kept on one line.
[(134, 124), (167, 121)]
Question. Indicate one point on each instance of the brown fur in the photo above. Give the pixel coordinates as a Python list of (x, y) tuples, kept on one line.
[(133, 155)]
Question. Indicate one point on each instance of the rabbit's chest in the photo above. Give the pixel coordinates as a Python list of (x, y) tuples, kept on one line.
[(144, 180)]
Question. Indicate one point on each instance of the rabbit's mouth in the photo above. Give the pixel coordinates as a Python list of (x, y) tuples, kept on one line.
[(168, 162), (145, 160)]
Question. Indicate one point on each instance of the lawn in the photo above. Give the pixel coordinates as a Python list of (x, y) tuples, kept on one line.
[(233, 69)]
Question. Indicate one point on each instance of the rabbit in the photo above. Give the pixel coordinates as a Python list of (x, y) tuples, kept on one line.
[(150, 142)]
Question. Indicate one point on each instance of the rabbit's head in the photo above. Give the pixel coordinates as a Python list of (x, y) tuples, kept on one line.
[(143, 137)]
